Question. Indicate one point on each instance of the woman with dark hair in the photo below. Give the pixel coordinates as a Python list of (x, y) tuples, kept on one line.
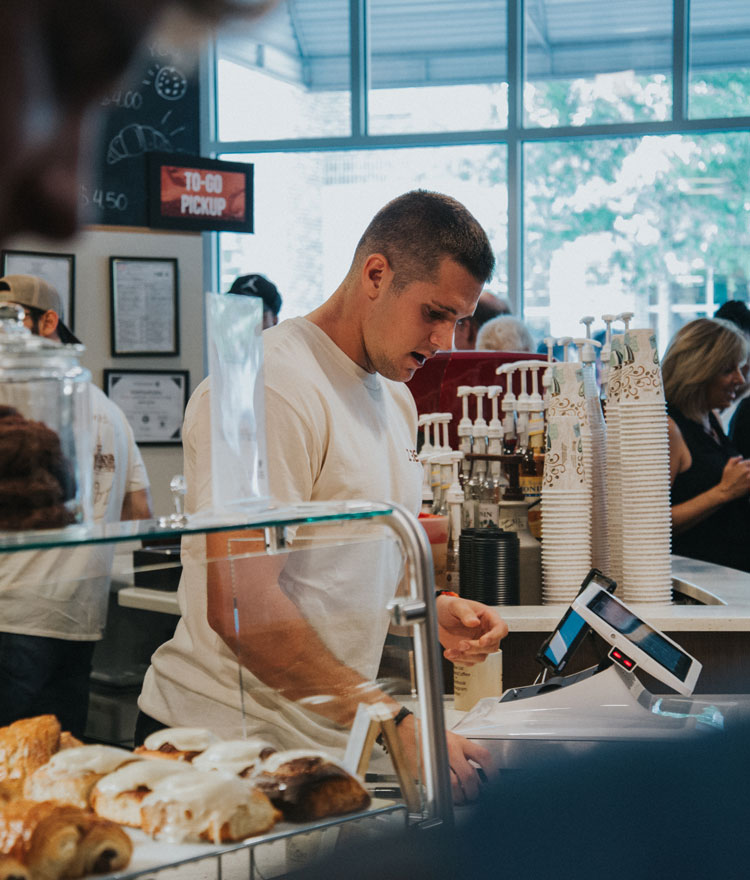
[(710, 481)]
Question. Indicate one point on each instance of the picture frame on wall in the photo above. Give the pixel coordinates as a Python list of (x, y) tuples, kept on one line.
[(56, 269), (153, 401), (144, 293)]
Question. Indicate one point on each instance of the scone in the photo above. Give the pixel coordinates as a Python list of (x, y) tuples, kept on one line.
[(203, 805), (26, 745), (69, 776), (118, 795), (178, 743), (236, 756), (309, 785)]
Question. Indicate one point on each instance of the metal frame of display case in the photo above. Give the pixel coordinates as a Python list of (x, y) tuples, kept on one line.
[(416, 610)]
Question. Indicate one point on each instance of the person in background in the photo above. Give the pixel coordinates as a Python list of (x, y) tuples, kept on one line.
[(260, 286), (710, 481), (47, 641), (342, 426), (58, 61), (489, 306), (504, 333), (737, 312)]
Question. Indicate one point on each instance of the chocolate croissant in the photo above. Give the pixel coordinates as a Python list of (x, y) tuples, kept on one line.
[(12, 869), (54, 841), (41, 836)]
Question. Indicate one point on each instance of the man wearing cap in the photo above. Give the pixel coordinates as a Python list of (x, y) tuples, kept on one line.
[(53, 604), (260, 286)]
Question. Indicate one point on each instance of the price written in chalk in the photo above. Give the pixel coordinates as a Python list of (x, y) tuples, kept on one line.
[(110, 199), (125, 98)]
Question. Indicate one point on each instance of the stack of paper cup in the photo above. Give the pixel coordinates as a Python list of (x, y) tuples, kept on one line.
[(566, 512), (639, 482)]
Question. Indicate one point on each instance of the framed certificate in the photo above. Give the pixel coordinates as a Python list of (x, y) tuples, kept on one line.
[(56, 269), (153, 401), (145, 315)]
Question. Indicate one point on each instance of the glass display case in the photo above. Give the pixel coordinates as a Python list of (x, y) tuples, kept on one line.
[(358, 579)]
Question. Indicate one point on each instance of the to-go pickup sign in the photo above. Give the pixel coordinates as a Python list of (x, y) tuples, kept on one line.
[(199, 194)]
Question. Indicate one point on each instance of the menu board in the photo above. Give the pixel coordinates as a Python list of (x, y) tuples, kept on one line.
[(155, 109)]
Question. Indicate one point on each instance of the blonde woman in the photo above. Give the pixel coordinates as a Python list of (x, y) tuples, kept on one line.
[(710, 481)]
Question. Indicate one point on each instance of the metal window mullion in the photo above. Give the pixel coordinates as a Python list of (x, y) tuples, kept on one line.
[(516, 55), (359, 44), (680, 59)]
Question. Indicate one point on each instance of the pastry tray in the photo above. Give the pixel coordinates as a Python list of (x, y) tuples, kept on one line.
[(206, 861)]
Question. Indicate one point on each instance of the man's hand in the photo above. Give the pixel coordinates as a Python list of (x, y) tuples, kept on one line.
[(468, 630), (464, 757)]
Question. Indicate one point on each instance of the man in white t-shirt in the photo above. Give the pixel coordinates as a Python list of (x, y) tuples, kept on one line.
[(308, 629), (53, 604)]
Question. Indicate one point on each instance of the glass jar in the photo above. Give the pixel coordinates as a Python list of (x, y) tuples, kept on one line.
[(46, 458)]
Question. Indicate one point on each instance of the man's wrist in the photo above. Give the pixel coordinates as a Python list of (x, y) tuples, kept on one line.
[(402, 713)]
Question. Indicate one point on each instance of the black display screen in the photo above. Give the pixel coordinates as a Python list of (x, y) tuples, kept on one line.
[(641, 634)]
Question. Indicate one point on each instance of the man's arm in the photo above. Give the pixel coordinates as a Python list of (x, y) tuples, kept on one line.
[(269, 635), (137, 505)]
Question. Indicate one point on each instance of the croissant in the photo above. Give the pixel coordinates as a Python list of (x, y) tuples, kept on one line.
[(42, 836), (12, 869), (103, 848), (26, 745), (54, 841)]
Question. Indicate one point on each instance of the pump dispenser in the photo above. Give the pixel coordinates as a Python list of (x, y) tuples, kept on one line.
[(443, 422), (605, 356), (565, 341), (549, 341), (464, 431), (509, 408), (626, 318), (455, 500), (523, 408), (587, 321), (474, 488)]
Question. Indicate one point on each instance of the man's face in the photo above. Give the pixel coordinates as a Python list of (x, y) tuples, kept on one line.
[(407, 327), (58, 60)]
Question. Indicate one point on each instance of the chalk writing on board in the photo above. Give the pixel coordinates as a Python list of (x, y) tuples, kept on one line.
[(157, 110)]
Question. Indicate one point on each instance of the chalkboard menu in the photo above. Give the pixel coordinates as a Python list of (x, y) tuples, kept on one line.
[(157, 109)]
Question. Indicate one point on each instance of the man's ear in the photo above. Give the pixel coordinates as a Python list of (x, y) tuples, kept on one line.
[(48, 324), (376, 275)]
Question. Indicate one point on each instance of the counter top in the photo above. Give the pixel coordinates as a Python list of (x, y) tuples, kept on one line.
[(729, 588)]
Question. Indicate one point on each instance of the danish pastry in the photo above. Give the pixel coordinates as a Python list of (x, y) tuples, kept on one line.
[(26, 745), (206, 806), (69, 775), (238, 756), (118, 795), (309, 785), (177, 743)]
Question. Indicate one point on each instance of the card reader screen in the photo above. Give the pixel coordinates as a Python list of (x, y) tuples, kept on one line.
[(570, 628), (641, 634)]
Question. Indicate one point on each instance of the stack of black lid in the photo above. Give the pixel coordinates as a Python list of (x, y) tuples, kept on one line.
[(489, 565)]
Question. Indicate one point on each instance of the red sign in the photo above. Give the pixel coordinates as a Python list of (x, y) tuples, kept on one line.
[(194, 193), (199, 193)]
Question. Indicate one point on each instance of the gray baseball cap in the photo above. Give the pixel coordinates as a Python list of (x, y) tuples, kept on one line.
[(36, 293)]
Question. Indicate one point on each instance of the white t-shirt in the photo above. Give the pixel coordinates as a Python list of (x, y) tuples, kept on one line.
[(334, 432), (63, 593)]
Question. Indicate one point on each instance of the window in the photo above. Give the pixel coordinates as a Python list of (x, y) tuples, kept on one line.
[(308, 228), (559, 122)]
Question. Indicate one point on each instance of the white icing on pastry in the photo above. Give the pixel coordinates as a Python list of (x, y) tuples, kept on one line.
[(184, 739), (275, 761), (96, 759), (137, 773), (232, 756), (196, 801)]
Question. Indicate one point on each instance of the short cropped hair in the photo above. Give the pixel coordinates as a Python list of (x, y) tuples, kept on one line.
[(699, 352), (417, 230), (737, 312), (504, 333)]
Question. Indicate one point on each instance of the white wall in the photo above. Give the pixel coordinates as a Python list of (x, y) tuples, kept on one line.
[(92, 249)]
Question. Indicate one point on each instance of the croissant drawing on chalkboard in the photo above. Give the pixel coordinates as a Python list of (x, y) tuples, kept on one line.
[(135, 139)]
